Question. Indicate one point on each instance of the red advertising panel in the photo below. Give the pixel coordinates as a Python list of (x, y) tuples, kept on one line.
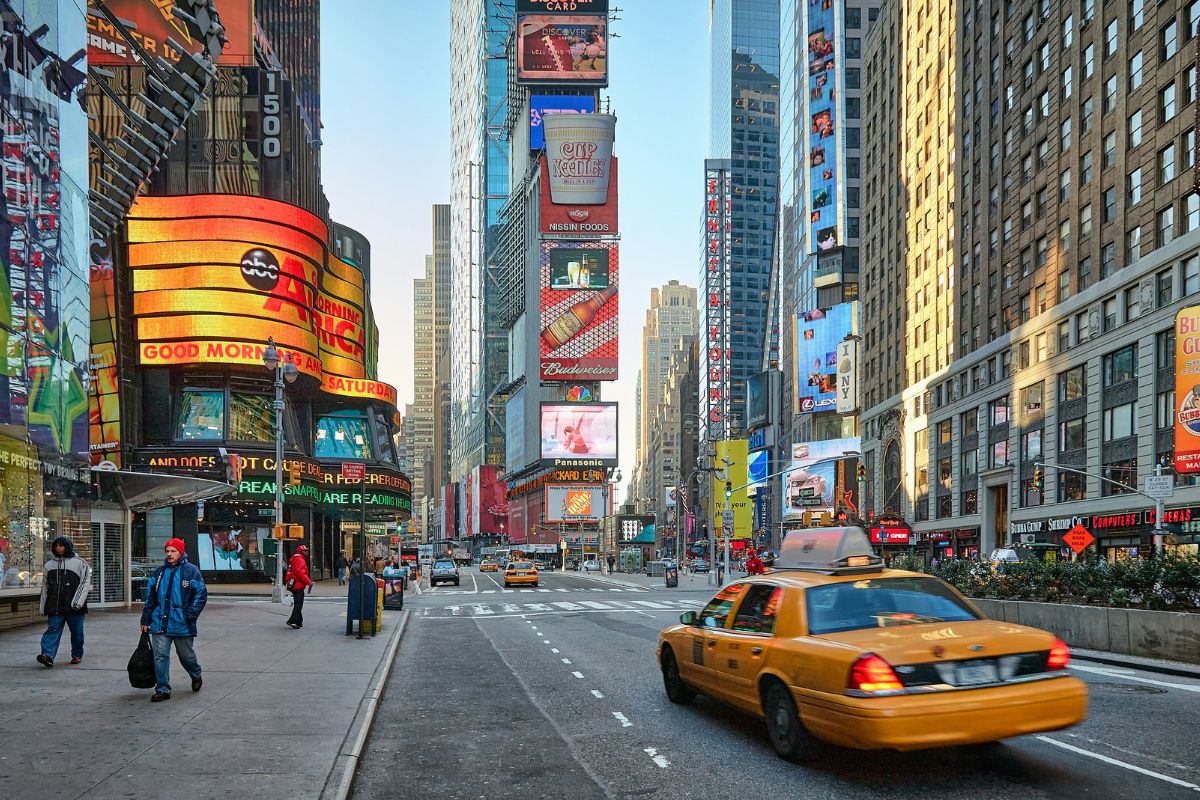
[(578, 219), (151, 23), (449, 507), (518, 521), (579, 311)]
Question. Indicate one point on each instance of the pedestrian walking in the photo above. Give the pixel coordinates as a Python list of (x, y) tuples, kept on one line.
[(755, 565), (297, 581), (175, 596), (66, 581), (342, 564), (612, 562)]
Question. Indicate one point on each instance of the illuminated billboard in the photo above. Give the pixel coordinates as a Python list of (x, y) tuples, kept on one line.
[(1187, 390), (579, 322), (485, 501), (758, 399), (731, 464), (811, 483), (818, 334), (567, 503), (542, 104), (579, 434), (104, 406), (579, 154), (557, 48), (215, 276), (573, 219), (562, 6), (151, 23), (823, 134)]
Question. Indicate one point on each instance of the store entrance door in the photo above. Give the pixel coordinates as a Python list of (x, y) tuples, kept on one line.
[(109, 558)]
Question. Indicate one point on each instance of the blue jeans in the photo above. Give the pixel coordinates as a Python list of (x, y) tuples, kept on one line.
[(53, 634), (162, 659), (341, 575)]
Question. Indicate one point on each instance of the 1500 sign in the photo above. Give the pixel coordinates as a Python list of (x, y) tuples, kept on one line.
[(271, 124)]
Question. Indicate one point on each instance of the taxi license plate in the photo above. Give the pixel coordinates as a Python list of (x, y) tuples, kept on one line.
[(972, 674)]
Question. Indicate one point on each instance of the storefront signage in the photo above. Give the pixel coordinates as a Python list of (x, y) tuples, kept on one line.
[(1102, 522), (328, 475), (1056, 524), (889, 536), (1174, 516)]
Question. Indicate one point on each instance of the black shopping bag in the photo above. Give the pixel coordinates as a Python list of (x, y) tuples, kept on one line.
[(141, 665)]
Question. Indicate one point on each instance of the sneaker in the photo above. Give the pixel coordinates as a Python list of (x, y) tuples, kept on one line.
[(45, 660), (77, 660), (197, 683), (292, 625), (159, 697)]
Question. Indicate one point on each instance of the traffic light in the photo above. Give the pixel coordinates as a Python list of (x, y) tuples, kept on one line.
[(1037, 478), (862, 473), (294, 475), (807, 519), (728, 490)]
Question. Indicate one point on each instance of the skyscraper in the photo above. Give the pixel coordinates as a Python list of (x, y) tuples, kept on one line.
[(671, 316), (479, 32), (419, 415), (442, 287), (744, 120)]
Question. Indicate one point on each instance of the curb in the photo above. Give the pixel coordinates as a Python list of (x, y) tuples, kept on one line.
[(1142, 665), (350, 752)]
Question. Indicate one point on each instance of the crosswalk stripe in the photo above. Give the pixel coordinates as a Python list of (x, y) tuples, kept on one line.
[(594, 604), (569, 606), (649, 604), (537, 607), (542, 590), (455, 610), (488, 591), (509, 608), (482, 609), (560, 590)]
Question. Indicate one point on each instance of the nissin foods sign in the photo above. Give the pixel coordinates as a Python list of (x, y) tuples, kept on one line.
[(215, 276)]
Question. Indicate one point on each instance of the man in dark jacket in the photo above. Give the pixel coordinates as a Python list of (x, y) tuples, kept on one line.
[(341, 565), (175, 596), (65, 586), (297, 582)]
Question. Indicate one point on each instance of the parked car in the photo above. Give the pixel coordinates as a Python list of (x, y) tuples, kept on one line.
[(700, 565), (444, 571), (591, 565)]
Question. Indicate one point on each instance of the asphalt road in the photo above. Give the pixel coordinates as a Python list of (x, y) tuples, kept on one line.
[(556, 693)]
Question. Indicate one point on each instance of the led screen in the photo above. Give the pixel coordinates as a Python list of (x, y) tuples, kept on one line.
[(579, 432)]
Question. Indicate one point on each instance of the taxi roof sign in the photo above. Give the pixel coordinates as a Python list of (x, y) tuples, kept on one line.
[(830, 550)]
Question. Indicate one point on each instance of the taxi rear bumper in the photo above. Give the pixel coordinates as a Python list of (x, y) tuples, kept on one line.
[(530, 579), (916, 722)]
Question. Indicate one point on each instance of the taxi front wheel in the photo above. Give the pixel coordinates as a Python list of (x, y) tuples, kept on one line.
[(788, 736), (677, 691)]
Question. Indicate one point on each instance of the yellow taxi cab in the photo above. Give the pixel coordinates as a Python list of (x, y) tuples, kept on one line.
[(831, 647), (488, 565), (520, 573)]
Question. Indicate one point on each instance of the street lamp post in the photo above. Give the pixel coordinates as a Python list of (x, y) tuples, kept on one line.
[(284, 371)]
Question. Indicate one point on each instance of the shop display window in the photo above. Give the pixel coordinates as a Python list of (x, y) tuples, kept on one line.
[(343, 435), (201, 415), (251, 418)]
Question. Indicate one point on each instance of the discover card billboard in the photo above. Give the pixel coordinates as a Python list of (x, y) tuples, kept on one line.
[(818, 334), (555, 48)]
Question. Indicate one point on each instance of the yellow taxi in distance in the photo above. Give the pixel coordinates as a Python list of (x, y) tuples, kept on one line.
[(520, 573), (488, 565), (831, 647)]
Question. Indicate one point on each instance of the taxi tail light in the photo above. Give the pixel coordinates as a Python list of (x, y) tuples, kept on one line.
[(1060, 656), (871, 674)]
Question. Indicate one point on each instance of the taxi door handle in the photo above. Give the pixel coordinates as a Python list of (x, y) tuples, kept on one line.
[(712, 644), (756, 651)]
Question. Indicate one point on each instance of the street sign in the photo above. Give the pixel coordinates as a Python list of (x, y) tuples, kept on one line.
[(727, 531), (727, 518), (353, 471), (1160, 487), (1078, 539)]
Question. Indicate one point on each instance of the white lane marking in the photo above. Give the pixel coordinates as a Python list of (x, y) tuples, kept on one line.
[(474, 583), (618, 590), (566, 661), (538, 607), (594, 604), (1116, 763), (597, 695), (1142, 756), (1115, 674), (656, 758), (554, 650), (482, 610), (541, 590), (528, 622), (488, 591), (649, 604), (577, 674), (560, 590), (545, 641), (621, 718), (455, 610), (569, 606), (510, 608)]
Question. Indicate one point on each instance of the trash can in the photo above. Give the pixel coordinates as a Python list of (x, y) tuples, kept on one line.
[(393, 589), (364, 589), (672, 576)]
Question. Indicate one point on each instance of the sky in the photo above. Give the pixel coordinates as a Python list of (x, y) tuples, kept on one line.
[(385, 108)]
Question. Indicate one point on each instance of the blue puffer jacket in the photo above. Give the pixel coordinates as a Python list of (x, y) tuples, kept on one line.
[(175, 597)]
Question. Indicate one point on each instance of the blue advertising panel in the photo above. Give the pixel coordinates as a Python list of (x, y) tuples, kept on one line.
[(758, 467), (541, 104), (817, 335), (822, 151)]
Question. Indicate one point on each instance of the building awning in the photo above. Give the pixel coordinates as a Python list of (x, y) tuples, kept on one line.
[(140, 491)]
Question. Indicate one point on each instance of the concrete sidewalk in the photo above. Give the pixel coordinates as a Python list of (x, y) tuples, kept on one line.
[(280, 714)]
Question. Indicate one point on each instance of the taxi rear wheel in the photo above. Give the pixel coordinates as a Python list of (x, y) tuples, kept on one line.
[(787, 733), (677, 691)]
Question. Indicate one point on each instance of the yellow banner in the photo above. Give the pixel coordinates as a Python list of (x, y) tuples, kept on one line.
[(731, 464)]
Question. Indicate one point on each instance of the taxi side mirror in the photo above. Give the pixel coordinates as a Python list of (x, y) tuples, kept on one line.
[(688, 618)]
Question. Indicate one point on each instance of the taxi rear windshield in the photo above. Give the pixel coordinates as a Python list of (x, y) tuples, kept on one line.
[(881, 603), (520, 565)]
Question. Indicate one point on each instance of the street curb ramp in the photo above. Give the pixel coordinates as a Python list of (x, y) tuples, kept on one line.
[(341, 776)]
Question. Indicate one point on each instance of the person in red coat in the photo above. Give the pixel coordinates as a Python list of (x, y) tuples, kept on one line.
[(754, 564), (297, 581)]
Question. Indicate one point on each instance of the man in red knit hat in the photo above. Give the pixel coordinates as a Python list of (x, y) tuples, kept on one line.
[(175, 597), (297, 581)]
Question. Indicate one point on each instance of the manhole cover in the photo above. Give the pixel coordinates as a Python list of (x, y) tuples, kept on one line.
[(1127, 688)]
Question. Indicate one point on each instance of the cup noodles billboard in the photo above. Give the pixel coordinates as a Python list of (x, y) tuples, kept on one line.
[(579, 152), (567, 503), (151, 23), (578, 303), (562, 48)]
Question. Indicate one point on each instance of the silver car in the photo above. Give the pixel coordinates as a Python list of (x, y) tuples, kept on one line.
[(444, 571)]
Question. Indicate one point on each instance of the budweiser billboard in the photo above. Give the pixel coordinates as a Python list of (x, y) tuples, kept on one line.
[(578, 302), (579, 153), (574, 219)]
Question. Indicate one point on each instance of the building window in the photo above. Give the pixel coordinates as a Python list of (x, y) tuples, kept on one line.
[(970, 501), (1166, 284), (1135, 187), (1191, 276), (1166, 226), (1189, 149), (1166, 164), (853, 47), (1065, 135), (1137, 14), (1085, 114), (1072, 434), (1031, 400), (1067, 84), (1085, 220), (1133, 245), (1085, 273), (1109, 99), (1071, 486), (1085, 169), (1164, 348), (1030, 494), (1109, 313), (1119, 422), (201, 415), (1132, 307), (1124, 471), (1068, 32), (1164, 410), (969, 460), (1136, 70), (1064, 336), (1193, 19), (343, 435), (1120, 365), (999, 410), (1191, 215), (1072, 384), (1135, 128), (1110, 151), (1170, 40), (1167, 103), (999, 454), (1110, 38), (1064, 285), (1083, 331), (1064, 186), (1110, 203), (970, 423), (251, 418), (1108, 260), (1089, 61), (1064, 235)]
